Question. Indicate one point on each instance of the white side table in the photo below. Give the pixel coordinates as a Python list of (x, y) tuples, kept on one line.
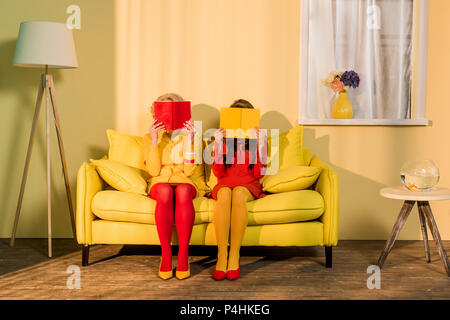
[(425, 216)]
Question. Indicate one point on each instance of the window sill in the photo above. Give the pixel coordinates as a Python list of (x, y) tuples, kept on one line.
[(364, 122)]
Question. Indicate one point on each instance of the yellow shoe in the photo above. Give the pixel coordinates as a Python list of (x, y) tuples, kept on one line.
[(181, 275), (165, 275)]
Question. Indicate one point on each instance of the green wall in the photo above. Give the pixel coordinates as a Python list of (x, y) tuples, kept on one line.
[(85, 98)]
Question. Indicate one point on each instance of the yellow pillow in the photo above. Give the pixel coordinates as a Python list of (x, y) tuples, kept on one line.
[(290, 147), (126, 149), (306, 156), (289, 150), (120, 176), (291, 179)]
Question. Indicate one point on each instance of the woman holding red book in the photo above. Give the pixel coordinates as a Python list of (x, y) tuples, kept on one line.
[(170, 166), (238, 183)]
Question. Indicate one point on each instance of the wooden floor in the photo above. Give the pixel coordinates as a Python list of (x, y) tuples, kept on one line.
[(129, 272)]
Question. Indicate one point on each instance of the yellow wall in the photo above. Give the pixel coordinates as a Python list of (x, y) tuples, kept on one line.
[(86, 109), (211, 52), (368, 158)]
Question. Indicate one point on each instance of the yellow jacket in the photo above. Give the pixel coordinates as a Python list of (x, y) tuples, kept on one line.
[(170, 161)]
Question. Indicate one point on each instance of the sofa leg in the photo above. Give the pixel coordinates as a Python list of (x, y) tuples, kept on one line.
[(328, 257), (85, 255)]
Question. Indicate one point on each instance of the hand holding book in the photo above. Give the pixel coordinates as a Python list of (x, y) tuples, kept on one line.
[(154, 130), (189, 127), (219, 134), (256, 132), (261, 138)]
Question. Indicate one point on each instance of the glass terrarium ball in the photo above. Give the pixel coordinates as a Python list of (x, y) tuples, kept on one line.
[(419, 175)]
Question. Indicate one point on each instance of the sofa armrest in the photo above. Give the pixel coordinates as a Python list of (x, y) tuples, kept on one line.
[(328, 186), (88, 184)]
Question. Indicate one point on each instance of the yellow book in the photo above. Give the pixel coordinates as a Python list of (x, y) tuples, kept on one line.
[(239, 122)]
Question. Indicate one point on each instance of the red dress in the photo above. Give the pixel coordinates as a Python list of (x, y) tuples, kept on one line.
[(238, 174)]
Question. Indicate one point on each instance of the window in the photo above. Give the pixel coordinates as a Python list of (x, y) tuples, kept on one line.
[(384, 41)]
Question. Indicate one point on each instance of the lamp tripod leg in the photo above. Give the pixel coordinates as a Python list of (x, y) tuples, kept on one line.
[(49, 189), (51, 89), (27, 160)]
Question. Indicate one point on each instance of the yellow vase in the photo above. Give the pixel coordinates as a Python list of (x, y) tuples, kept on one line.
[(342, 107)]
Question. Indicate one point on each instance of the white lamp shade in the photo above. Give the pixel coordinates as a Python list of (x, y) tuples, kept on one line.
[(41, 44)]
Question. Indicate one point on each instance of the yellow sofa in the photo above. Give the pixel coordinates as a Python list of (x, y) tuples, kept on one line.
[(296, 218)]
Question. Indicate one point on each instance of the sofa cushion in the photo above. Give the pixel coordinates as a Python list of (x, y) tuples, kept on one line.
[(131, 207), (126, 149), (287, 207), (289, 149), (120, 176), (291, 179), (306, 156)]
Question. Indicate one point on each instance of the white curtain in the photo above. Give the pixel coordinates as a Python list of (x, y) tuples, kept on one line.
[(371, 37)]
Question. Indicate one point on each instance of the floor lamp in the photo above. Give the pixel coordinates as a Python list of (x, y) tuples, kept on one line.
[(47, 45)]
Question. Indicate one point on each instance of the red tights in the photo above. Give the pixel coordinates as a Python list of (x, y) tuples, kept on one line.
[(184, 220)]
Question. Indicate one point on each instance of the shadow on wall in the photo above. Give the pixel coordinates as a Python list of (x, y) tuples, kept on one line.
[(97, 152), (361, 207), (208, 115), (18, 83), (275, 120)]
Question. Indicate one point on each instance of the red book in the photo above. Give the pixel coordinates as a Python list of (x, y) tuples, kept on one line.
[(173, 113)]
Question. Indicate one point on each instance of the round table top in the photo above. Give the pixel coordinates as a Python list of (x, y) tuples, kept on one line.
[(401, 193)]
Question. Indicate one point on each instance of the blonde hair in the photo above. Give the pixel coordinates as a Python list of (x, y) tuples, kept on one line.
[(166, 97)]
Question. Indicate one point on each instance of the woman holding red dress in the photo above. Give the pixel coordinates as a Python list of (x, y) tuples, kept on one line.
[(238, 183)]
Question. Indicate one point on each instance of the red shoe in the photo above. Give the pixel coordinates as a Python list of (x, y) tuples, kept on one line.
[(219, 275), (234, 274)]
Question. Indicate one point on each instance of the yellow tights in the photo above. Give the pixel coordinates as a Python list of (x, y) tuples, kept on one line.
[(230, 219)]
